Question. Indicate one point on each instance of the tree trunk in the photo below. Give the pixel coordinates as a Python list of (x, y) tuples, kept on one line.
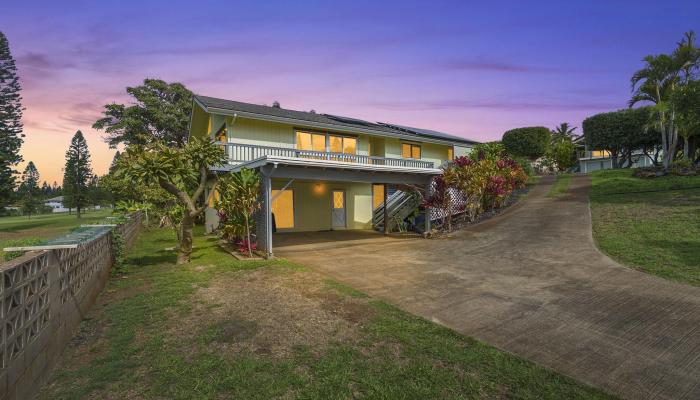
[(178, 232), (77, 210), (686, 148), (185, 250), (247, 234), (614, 160)]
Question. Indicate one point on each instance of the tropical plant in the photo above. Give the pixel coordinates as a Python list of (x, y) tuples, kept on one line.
[(441, 196), (239, 199), (491, 150), (686, 101), (184, 173), (160, 112), (656, 82), (564, 130), (561, 152), (473, 185), (129, 206), (530, 142)]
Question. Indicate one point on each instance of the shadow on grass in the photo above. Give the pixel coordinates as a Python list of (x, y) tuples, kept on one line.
[(159, 257)]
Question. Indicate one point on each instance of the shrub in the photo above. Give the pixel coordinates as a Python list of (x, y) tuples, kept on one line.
[(530, 142), (490, 150), (525, 164), (475, 185)]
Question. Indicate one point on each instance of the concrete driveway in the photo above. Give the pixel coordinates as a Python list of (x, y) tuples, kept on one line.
[(531, 282)]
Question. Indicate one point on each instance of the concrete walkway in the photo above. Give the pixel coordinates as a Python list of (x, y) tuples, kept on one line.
[(531, 282)]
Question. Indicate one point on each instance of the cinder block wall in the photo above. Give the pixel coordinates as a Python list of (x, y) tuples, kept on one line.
[(43, 297)]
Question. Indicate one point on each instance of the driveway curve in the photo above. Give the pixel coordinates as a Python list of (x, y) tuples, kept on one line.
[(531, 281)]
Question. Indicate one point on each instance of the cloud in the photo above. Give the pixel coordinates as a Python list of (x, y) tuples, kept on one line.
[(490, 66), (41, 61)]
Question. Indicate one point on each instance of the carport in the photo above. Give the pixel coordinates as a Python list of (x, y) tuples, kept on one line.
[(288, 172)]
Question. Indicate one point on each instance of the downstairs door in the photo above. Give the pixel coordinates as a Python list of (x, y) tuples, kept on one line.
[(338, 211)]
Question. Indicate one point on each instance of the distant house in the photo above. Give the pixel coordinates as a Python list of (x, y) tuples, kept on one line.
[(56, 204), (590, 160)]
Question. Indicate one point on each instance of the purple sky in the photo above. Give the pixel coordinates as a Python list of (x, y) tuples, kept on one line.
[(470, 69)]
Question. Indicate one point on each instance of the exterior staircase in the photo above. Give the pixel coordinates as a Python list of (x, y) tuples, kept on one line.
[(400, 205)]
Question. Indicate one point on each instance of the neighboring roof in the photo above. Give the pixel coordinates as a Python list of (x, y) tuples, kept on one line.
[(56, 199), (325, 164), (210, 104)]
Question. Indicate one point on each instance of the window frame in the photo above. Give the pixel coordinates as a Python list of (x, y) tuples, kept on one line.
[(412, 145), (327, 140)]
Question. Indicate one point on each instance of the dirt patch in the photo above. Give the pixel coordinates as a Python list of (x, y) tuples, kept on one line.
[(271, 313)]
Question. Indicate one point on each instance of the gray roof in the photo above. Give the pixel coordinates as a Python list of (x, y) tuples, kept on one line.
[(327, 119)]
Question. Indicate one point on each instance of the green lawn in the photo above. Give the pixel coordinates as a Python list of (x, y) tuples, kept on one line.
[(657, 230), (561, 186), (14, 230), (219, 328)]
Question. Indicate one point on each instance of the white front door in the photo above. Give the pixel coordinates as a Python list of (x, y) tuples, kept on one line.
[(338, 211)]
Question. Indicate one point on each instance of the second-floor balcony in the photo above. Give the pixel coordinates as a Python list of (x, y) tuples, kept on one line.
[(238, 153)]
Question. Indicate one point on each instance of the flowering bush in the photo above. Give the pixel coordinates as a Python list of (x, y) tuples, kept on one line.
[(475, 184), (244, 246)]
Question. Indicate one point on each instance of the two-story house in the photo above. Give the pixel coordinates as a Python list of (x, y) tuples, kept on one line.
[(320, 171)]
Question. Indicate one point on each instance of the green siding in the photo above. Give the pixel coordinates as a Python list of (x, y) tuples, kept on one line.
[(199, 125), (262, 133), (313, 204), (275, 134)]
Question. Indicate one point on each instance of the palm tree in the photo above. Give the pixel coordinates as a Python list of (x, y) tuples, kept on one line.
[(564, 130), (656, 82)]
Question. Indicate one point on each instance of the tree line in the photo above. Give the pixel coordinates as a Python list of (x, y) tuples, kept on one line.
[(80, 188)]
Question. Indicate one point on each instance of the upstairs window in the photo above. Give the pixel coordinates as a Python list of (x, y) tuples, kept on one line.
[(342, 144), (311, 141), (410, 150)]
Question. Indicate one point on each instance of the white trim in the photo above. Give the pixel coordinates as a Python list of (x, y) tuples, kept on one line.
[(309, 162)]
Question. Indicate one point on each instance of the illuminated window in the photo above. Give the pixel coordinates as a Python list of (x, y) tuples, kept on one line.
[(450, 153), (283, 208), (410, 150), (311, 141), (342, 144), (600, 153), (338, 199), (377, 195)]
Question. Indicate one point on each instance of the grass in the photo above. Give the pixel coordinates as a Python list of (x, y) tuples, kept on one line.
[(22, 230), (138, 343), (649, 224), (561, 186)]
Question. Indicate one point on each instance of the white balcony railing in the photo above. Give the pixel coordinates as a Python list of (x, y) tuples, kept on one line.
[(237, 152)]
